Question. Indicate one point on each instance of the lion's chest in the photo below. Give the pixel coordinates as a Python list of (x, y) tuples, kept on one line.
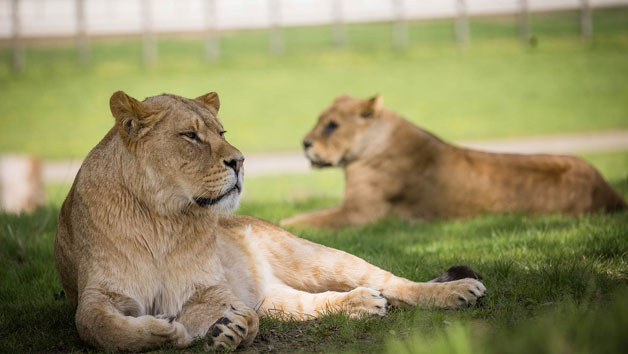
[(170, 282), (169, 293)]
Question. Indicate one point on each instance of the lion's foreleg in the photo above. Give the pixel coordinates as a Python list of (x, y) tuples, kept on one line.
[(115, 321), (215, 311)]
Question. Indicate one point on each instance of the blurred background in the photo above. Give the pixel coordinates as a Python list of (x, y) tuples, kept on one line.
[(503, 75)]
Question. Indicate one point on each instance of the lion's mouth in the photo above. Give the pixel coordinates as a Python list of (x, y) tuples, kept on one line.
[(237, 188), (315, 161), (320, 164)]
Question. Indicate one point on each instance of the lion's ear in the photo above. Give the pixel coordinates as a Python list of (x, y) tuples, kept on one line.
[(373, 106), (130, 114), (342, 98), (210, 101)]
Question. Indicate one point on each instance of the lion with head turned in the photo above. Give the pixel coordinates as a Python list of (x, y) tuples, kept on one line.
[(150, 256), (392, 167)]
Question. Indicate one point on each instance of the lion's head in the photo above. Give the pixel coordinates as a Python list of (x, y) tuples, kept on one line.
[(178, 145), (343, 131)]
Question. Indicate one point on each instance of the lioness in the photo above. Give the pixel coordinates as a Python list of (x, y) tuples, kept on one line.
[(144, 251), (393, 167)]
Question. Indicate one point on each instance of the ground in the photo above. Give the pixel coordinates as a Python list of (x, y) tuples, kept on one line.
[(555, 284)]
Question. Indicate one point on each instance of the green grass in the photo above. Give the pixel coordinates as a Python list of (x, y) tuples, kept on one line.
[(494, 87), (555, 284)]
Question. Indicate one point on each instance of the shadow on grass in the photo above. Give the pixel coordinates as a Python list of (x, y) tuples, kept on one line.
[(34, 317)]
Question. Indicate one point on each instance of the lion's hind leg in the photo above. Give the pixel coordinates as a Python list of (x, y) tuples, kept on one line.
[(114, 321), (285, 302)]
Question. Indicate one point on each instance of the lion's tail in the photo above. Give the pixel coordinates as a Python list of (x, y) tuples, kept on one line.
[(102, 321)]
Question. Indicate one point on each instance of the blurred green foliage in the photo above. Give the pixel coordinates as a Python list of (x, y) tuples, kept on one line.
[(494, 87)]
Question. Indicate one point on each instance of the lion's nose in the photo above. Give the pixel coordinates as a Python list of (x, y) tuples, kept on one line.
[(306, 144), (235, 164)]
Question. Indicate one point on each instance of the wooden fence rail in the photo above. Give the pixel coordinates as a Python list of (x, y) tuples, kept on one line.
[(337, 21)]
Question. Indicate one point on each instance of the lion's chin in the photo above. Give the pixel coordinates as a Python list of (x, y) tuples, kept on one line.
[(226, 203)]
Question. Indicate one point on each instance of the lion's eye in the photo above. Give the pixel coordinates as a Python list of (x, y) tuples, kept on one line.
[(191, 135), (222, 133), (330, 127)]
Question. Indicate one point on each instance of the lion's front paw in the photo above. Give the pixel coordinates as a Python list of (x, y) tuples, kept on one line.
[(364, 301), (460, 292), (167, 330), (238, 327)]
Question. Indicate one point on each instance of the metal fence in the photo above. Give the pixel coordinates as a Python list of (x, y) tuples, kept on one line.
[(81, 19)]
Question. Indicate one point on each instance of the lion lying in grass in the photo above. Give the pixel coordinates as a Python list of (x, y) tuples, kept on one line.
[(393, 167), (145, 253)]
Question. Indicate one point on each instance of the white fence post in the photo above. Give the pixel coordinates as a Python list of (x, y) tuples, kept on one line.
[(462, 23), (400, 27), (17, 42), (21, 184), (212, 39), (81, 33), (586, 24), (524, 26), (149, 49), (339, 34), (275, 42)]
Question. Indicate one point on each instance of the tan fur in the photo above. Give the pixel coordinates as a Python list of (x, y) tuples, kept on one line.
[(148, 262), (394, 168)]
